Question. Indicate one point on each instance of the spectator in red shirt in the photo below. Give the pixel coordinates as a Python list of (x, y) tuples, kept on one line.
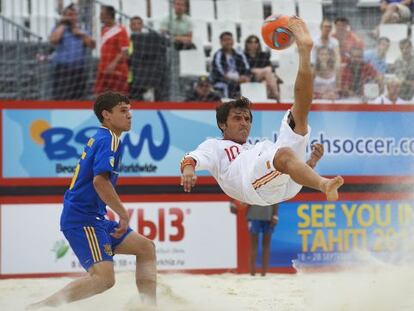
[(356, 73), (113, 64), (347, 39)]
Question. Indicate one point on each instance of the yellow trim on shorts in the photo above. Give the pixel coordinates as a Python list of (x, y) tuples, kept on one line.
[(93, 243), (265, 179)]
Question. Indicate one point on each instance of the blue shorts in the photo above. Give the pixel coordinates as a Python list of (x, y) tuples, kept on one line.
[(260, 226), (93, 244)]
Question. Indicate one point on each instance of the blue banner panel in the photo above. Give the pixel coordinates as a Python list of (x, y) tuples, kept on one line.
[(323, 233), (47, 143)]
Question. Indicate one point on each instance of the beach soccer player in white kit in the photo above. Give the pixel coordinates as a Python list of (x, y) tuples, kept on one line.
[(265, 173)]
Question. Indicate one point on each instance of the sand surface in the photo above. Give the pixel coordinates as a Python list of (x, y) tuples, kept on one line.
[(379, 288)]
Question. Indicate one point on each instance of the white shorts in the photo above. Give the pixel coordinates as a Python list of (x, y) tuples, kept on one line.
[(264, 184)]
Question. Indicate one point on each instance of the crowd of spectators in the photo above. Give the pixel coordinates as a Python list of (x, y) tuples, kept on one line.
[(345, 71), (342, 68)]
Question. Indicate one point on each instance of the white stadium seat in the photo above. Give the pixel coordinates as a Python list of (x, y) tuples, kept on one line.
[(159, 9), (202, 10), (44, 8), (42, 25), (135, 8), (288, 65), (239, 10), (255, 91), (250, 27), (286, 92), (192, 63), (393, 53), (368, 3), (287, 7), (228, 10), (15, 8), (251, 10), (310, 10), (200, 33), (371, 90), (394, 32)]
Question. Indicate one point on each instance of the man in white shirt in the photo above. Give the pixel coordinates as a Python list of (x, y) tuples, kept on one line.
[(326, 40), (265, 173)]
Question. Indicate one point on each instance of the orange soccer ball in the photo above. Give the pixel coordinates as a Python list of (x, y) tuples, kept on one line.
[(275, 33)]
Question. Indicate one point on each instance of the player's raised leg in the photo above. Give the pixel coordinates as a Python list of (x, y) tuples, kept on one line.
[(146, 265), (101, 277), (287, 162), (304, 82)]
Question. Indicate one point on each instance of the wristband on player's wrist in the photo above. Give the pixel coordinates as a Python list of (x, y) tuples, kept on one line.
[(185, 162)]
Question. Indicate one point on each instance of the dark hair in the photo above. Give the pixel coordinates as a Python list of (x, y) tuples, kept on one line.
[(325, 20), (259, 46), (380, 39), (110, 10), (342, 19), (223, 109), (107, 101), (69, 7), (136, 17), (406, 41), (225, 33)]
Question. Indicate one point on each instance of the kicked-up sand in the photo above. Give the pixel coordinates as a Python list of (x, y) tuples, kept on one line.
[(387, 288)]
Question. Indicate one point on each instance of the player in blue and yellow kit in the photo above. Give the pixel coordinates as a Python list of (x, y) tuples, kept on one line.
[(93, 238)]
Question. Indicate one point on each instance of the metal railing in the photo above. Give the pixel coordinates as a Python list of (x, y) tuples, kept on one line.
[(20, 69)]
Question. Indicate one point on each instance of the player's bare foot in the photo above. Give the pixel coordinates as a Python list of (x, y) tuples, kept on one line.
[(330, 187), (302, 36)]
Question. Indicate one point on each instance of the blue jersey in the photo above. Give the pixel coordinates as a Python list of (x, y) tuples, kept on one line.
[(82, 204)]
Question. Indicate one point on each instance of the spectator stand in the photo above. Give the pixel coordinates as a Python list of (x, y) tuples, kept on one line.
[(210, 18), (20, 70)]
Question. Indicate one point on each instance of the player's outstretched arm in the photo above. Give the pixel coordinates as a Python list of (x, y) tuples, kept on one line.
[(107, 193), (188, 175)]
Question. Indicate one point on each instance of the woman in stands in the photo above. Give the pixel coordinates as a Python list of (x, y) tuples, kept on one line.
[(325, 82), (260, 66)]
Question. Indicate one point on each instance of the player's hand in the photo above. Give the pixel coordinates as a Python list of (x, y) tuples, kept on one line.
[(121, 229), (65, 21), (77, 31), (188, 178), (274, 221), (316, 154), (233, 207)]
